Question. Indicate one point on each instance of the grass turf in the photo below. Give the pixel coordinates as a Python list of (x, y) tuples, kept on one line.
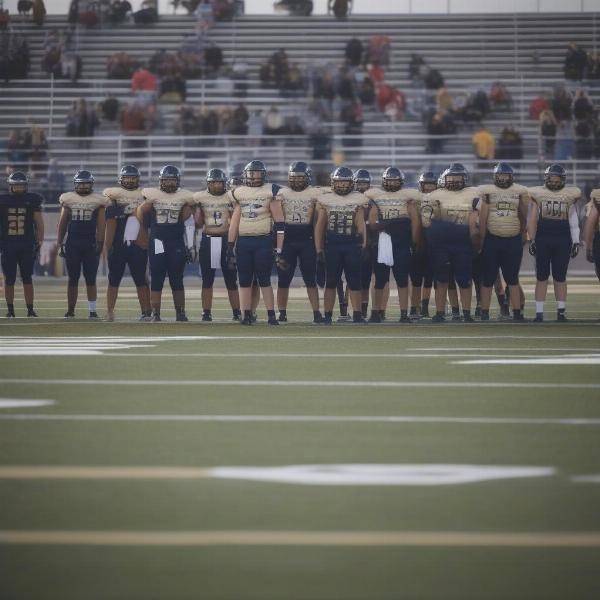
[(298, 351)]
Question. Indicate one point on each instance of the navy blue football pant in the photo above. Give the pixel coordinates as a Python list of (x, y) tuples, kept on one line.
[(81, 255), (402, 260), (596, 253), (171, 262), (367, 266), (298, 252), (17, 254), (553, 251), (420, 268), (451, 251), (132, 256), (503, 253), (254, 255), (208, 273), (343, 255)]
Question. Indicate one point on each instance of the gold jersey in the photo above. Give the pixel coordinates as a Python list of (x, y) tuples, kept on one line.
[(167, 206), (342, 210), (392, 206), (594, 200), (255, 208), (503, 217), (554, 205), (298, 207), (453, 206), (83, 207), (215, 208), (129, 200)]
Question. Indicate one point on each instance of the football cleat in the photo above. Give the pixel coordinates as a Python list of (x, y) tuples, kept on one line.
[(70, 314), (404, 319), (375, 317), (468, 319), (539, 318), (282, 318), (561, 318), (110, 317), (246, 321), (438, 319), (318, 317), (10, 314), (93, 316), (207, 317), (272, 321), (156, 317), (31, 313), (181, 316)]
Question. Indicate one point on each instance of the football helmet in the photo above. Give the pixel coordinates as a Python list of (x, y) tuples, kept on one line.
[(392, 179), (503, 175), (362, 180), (427, 182), (216, 182), (555, 177), (255, 173), (17, 182), (169, 179), (456, 177), (236, 176), (129, 177), (83, 182), (342, 181), (299, 176)]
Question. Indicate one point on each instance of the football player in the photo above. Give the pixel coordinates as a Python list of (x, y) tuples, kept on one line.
[(298, 202), (166, 208), (214, 214), (21, 236), (453, 234), (502, 222), (592, 230), (341, 229), (420, 270), (82, 219), (250, 243), (394, 211), (126, 242), (553, 236)]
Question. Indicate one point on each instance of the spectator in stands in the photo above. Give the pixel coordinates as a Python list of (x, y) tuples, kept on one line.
[(144, 86), (280, 63), (394, 104), (173, 89), (366, 91), (593, 68), (500, 96), (51, 61), (16, 149), (39, 12), (433, 79), (562, 104), (273, 123), (340, 8), (584, 142), (378, 52), (548, 133), (346, 85), (351, 115), (416, 68), (186, 122), (73, 14), (484, 147), (354, 52), (575, 62), (82, 122), (324, 86), (209, 122), (510, 145), (54, 182), (476, 107), (436, 127), (582, 106), (117, 11), (121, 66), (213, 58), (109, 108), (564, 141), (24, 6), (70, 65), (147, 14), (444, 100), (538, 105), (240, 120), (14, 56), (137, 119), (34, 140)]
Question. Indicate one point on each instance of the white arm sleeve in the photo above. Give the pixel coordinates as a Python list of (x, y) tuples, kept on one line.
[(190, 230), (574, 224)]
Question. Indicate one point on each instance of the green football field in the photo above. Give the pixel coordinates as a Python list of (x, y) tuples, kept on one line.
[(212, 461)]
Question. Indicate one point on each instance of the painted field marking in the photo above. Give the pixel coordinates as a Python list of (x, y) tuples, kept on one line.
[(21, 403), (313, 474), (298, 419), (546, 539), (586, 478), (586, 359), (302, 383)]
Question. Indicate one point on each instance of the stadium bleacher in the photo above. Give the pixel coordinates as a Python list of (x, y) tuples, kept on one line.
[(525, 52)]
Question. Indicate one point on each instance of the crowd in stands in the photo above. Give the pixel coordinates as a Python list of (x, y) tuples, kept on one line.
[(60, 58), (27, 148)]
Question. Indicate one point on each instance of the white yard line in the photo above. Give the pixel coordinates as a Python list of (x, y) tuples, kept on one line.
[(302, 383), (544, 539), (298, 419)]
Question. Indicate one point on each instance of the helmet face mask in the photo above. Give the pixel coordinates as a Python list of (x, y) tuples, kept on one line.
[(168, 179), (454, 183), (362, 180), (216, 182), (17, 183), (255, 174), (392, 179), (427, 187), (503, 180), (129, 177), (298, 181), (83, 183), (554, 182), (216, 188)]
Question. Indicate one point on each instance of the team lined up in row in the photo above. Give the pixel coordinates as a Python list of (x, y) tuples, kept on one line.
[(444, 232)]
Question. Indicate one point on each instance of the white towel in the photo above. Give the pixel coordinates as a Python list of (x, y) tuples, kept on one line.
[(385, 254), (215, 252), (132, 229), (158, 247)]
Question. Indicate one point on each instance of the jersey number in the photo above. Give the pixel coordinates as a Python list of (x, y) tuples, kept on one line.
[(555, 209), (16, 221)]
